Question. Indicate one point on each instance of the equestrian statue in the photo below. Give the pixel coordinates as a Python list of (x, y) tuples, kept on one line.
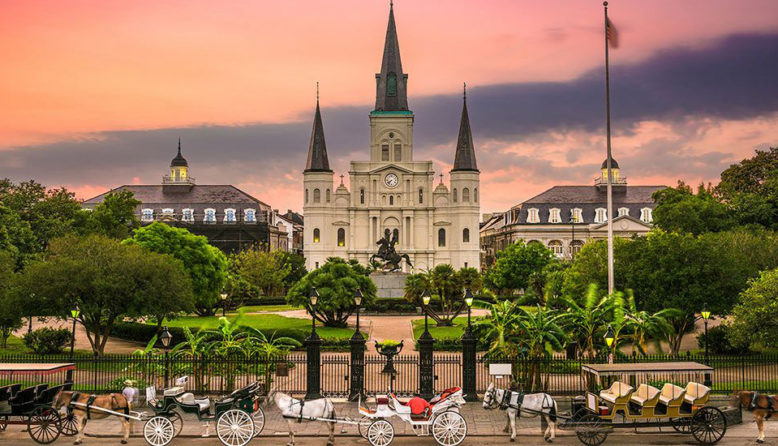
[(386, 252)]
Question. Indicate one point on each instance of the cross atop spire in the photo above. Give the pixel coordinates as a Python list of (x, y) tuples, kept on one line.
[(391, 82), (317, 149), (464, 159)]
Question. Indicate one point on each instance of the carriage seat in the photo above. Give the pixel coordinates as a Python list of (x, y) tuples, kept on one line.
[(671, 395), (696, 394), (23, 401), (5, 393), (188, 399), (645, 396), (618, 392), (444, 395)]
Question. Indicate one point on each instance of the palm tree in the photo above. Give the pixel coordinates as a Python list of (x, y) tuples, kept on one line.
[(267, 351), (619, 321), (142, 361), (540, 332), (499, 327), (587, 324), (645, 324), (194, 348)]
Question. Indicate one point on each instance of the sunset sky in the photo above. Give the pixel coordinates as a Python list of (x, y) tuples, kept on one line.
[(97, 93)]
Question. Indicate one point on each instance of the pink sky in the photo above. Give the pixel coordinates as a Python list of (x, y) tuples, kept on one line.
[(74, 69)]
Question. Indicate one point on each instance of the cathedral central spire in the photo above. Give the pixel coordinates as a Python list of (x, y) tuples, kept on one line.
[(464, 159), (391, 82), (317, 150)]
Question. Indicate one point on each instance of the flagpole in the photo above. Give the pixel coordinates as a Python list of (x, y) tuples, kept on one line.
[(609, 160)]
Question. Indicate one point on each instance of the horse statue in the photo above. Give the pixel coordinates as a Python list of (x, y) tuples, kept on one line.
[(762, 406), (514, 403), (297, 411), (115, 402), (387, 253)]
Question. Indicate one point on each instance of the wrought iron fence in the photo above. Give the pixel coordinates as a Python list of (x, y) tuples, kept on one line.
[(216, 375)]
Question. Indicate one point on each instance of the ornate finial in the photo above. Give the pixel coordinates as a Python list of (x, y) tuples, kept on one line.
[(391, 4), (179, 145), (441, 178), (317, 92), (464, 91), (341, 179), (605, 4)]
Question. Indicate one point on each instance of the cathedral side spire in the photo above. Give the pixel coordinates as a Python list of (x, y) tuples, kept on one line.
[(464, 159), (391, 82), (317, 150)]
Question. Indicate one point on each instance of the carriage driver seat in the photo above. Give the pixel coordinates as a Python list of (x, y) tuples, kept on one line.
[(188, 399)]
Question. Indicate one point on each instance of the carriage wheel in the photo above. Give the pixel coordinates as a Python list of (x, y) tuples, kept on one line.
[(259, 420), (44, 425), (682, 425), (380, 433), (235, 428), (708, 425), (590, 430), (178, 423), (158, 431), (69, 424), (363, 424), (449, 428)]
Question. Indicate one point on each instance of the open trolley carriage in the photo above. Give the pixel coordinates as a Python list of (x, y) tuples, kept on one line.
[(641, 395), (24, 403)]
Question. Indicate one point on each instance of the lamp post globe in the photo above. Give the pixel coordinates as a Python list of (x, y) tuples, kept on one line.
[(223, 295), (425, 300), (609, 338), (166, 337), (358, 302), (314, 298), (469, 303), (705, 313), (74, 313)]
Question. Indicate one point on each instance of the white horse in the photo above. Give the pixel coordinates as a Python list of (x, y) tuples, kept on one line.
[(531, 404), (297, 411)]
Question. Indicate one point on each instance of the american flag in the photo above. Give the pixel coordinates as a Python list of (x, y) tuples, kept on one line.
[(611, 34)]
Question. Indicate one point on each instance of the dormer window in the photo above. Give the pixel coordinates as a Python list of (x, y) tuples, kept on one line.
[(554, 216), (147, 215), (250, 216), (229, 215), (167, 212), (533, 216), (187, 215), (209, 216), (645, 215), (576, 215), (623, 212), (600, 215)]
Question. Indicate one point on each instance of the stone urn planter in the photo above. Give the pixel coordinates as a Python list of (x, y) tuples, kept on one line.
[(389, 349)]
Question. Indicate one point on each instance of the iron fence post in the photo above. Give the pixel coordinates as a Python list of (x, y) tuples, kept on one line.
[(426, 366), (468, 364), (357, 384), (313, 371)]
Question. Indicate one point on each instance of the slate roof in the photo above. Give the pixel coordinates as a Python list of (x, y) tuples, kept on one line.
[(198, 197), (179, 160), (464, 159), (391, 63)]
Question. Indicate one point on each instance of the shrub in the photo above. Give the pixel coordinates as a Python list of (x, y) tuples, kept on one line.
[(719, 341), (47, 341)]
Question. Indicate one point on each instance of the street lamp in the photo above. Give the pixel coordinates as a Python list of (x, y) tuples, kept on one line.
[(75, 312), (29, 322), (469, 303), (609, 338), (224, 295), (358, 302), (166, 337), (314, 296), (425, 299), (705, 317)]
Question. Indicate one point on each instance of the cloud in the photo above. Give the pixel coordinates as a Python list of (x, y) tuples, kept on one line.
[(538, 130)]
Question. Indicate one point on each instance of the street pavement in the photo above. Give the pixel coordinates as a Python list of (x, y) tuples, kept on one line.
[(484, 428)]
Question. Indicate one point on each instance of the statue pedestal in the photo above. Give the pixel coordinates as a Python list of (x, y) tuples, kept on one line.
[(389, 284)]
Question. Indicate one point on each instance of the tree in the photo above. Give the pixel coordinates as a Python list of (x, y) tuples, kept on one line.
[(115, 216), (646, 324), (680, 210), (591, 267), (754, 317), (540, 333), (336, 282), (265, 270), (206, 265), (10, 308), (107, 280), (587, 323), (516, 264), (297, 269), (471, 278), (499, 327), (750, 187), (16, 237)]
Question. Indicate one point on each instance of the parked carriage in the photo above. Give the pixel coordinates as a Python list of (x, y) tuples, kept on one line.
[(439, 417), (32, 405), (238, 416), (629, 399)]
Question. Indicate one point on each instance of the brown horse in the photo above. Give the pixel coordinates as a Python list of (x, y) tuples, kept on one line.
[(762, 406), (112, 401)]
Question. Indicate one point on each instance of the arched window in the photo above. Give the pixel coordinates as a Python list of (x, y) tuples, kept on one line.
[(316, 235), (341, 237), (454, 195), (210, 215), (533, 216), (384, 152), (575, 247), (391, 200), (229, 215), (556, 246), (441, 237), (645, 215), (465, 195), (623, 212), (421, 195), (391, 84), (576, 216), (475, 195), (316, 196), (362, 196), (600, 215), (554, 215), (328, 195), (465, 235)]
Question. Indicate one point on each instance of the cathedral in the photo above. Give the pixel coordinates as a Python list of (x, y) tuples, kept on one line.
[(392, 195)]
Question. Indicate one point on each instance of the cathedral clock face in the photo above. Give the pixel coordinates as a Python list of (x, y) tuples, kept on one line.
[(391, 180)]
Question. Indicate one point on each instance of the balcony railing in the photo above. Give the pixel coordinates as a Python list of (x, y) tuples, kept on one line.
[(620, 181), (167, 179)]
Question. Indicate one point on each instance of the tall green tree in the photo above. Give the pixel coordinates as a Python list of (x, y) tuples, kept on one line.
[(588, 322), (680, 210), (516, 264), (265, 270), (297, 270), (750, 187), (115, 216), (107, 280), (206, 265), (754, 317), (336, 282), (10, 308)]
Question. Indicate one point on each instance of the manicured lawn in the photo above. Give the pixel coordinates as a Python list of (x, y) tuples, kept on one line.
[(267, 308), (15, 347), (454, 332), (265, 322)]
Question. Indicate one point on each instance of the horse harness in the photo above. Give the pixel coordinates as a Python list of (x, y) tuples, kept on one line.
[(770, 404), (91, 401), (509, 399)]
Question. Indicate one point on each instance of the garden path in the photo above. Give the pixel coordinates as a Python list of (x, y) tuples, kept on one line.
[(113, 345)]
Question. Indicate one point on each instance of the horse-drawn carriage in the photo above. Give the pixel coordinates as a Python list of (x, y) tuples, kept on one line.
[(238, 416), (629, 399), (439, 416), (31, 405)]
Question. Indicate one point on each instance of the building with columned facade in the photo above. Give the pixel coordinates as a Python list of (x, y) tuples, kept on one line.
[(390, 193)]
